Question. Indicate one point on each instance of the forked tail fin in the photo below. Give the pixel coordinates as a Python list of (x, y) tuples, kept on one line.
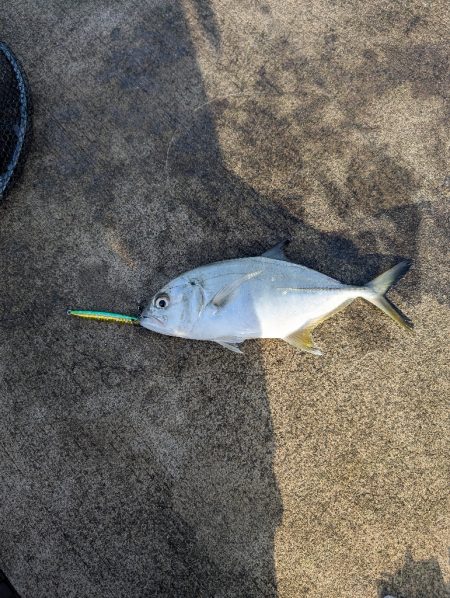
[(379, 286)]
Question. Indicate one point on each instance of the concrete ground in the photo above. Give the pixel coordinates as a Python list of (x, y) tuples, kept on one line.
[(169, 134)]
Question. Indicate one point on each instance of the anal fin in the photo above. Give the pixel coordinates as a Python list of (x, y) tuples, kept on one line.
[(302, 339)]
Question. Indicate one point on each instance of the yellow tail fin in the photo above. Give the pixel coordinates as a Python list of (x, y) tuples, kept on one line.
[(380, 285)]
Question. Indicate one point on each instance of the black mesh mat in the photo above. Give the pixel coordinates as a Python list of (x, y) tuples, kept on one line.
[(6, 589), (15, 118)]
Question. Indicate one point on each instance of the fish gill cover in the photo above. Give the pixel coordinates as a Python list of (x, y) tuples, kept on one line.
[(15, 118)]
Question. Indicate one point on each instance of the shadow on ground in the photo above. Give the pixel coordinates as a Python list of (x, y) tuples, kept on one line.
[(147, 462), (416, 579)]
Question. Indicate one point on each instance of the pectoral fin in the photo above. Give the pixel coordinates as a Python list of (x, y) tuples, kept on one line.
[(224, 295), (302, 339), (277, 252), (230, 346)]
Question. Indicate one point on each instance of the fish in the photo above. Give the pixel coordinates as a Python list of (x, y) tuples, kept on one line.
[(268, 296)]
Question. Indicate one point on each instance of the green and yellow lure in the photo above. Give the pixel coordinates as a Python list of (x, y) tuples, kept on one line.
[(104, 316)]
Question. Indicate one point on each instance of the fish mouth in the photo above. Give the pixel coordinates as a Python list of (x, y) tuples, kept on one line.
[(146, 321)]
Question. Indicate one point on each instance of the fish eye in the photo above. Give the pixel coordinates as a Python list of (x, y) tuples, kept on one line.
[(162, 301)]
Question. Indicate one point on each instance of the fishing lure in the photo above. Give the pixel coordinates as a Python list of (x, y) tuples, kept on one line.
[(104, 316), (259, 297)]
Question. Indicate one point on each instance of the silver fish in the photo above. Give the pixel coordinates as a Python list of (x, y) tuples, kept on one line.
[(260, 297)]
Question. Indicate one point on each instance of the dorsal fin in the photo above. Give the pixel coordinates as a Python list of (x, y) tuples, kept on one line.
[(277, 252), (225, 293)]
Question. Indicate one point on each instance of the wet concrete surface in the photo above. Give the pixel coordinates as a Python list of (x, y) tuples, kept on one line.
[(172, 134)]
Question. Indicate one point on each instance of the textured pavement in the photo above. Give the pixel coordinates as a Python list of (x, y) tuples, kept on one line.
[(171, 134)]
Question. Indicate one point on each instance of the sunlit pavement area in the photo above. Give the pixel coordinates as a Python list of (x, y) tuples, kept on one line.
[(169, 135)]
